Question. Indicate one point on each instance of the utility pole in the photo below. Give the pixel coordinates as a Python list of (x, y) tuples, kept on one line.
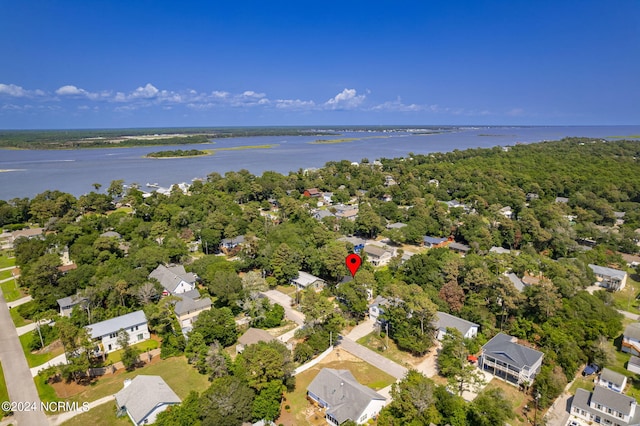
[(387, 335), (535, 415)]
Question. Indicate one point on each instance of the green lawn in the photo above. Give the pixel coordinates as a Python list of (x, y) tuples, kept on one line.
[(5, 261), (37, 359), (5, 274), (582, 382), (116, 356), (625, 299), (104, 414), (4, 394), (18, 320), (9, 291), (287, 289), (178, 374)]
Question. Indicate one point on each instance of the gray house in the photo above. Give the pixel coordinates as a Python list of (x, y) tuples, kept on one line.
[(506, 359), (144, 397), (604, 406), (105, 333), (609, 278), (305, 280), (443, 321), (612, 380), (174, 279), (67, 304), (343, 397)]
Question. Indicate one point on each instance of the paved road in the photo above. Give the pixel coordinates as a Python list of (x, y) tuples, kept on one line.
[(384, 364), (19, 302), (285, 301), (16, 371), (629, 315)]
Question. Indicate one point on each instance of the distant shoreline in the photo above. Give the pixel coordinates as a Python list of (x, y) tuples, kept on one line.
[(209, 152)]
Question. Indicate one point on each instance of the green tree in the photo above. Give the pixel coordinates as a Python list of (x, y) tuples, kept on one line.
[(266, 405), (185, 414), (453, 364), (217, 324), (490, 408), (413, 402), (264, 362), (228, 401), (130, 355), (284, 264)]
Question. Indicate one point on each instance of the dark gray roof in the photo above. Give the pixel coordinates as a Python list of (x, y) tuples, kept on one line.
[(233, 241), (459, 247), (611, 399), (346, 397), (143, 394), (609, 272), (613, 377), (71, 300), (502, 347), (355, 241), (187, 304), (444, 321), (171, 277), (433, 240), (396, 225), (634, 360), (581, 399), (112, 325), (632, 331), (375, 251), (517, 282)]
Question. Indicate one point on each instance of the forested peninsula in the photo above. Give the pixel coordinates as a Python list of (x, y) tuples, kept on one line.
[(505, 238)]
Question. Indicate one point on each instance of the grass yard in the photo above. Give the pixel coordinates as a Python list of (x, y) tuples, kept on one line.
[(6, 261), (365, 373), (4, 394), (5, 274), (18, 320), (34, 359), (518, 400), (582, 382), (377, 344), (9, 291), (178, 374), (104, 414), (116, 356), (625, 299), (287, 289)]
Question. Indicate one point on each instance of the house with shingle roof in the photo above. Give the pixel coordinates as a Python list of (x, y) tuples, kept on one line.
[(467, 329), (631, 339), (612, 380), (251, 337), (174, 279), (143, 398), (609, 278), (189, 307), (67, 304), (343, 397), (305, 280), (105, 333), (604, 406), (376, 255), (510, 361), (434, 242)]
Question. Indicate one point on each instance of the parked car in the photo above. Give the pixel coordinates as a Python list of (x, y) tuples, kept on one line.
[(590, 369)]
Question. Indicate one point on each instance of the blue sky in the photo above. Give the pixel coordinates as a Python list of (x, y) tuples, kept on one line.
[(79, 64)]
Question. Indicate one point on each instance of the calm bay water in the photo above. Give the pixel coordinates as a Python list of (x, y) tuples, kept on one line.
[(74, 171)]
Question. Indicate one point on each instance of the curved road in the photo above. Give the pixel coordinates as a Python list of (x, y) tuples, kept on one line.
[(17, 374)]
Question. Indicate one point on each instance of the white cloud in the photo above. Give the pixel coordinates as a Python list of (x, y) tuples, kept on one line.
[(70, 90), (17, 91), (295, 104), (398, 106), (146, 92), (73, 91), (347, 99)]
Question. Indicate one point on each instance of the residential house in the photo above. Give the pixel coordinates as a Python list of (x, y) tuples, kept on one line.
[(327, 197), (506, 359), (499, 250), (189, 307), (389, 181), (111, 234), (461, 249), (434, 242), (517, 282), (346, 212), (604, 406), (467, 329), (532, 196), (619, 218), (229, 244), (343, 398), (312, 192), (454, 204), (143, 398), (562, 200), (30, 233), (252, 336), (321, 214), (376, 255), (305, 280), (174, 279), (632, 260), (631, 339), (376, 307), (386, 198), (634, 364), (357, 243), (506, 212), (612, 380), (67, 304), (105, 333), (609, 278), (396, 225)]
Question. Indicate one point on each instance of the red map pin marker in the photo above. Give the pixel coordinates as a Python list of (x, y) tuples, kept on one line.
[(353, 263)]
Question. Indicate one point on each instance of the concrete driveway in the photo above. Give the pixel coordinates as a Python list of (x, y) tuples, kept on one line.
[(285, 301), (378, 361), (17, 375)]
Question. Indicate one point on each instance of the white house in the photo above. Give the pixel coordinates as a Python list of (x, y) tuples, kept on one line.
[(143, 398), (604, 406), (609, 278), (634, 364), (376, 255), (506, 359), (344, 398), (468, 329), (174, 279), (631, 339), (612, 380), (305, 280), (106, 332), (376, 307)]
